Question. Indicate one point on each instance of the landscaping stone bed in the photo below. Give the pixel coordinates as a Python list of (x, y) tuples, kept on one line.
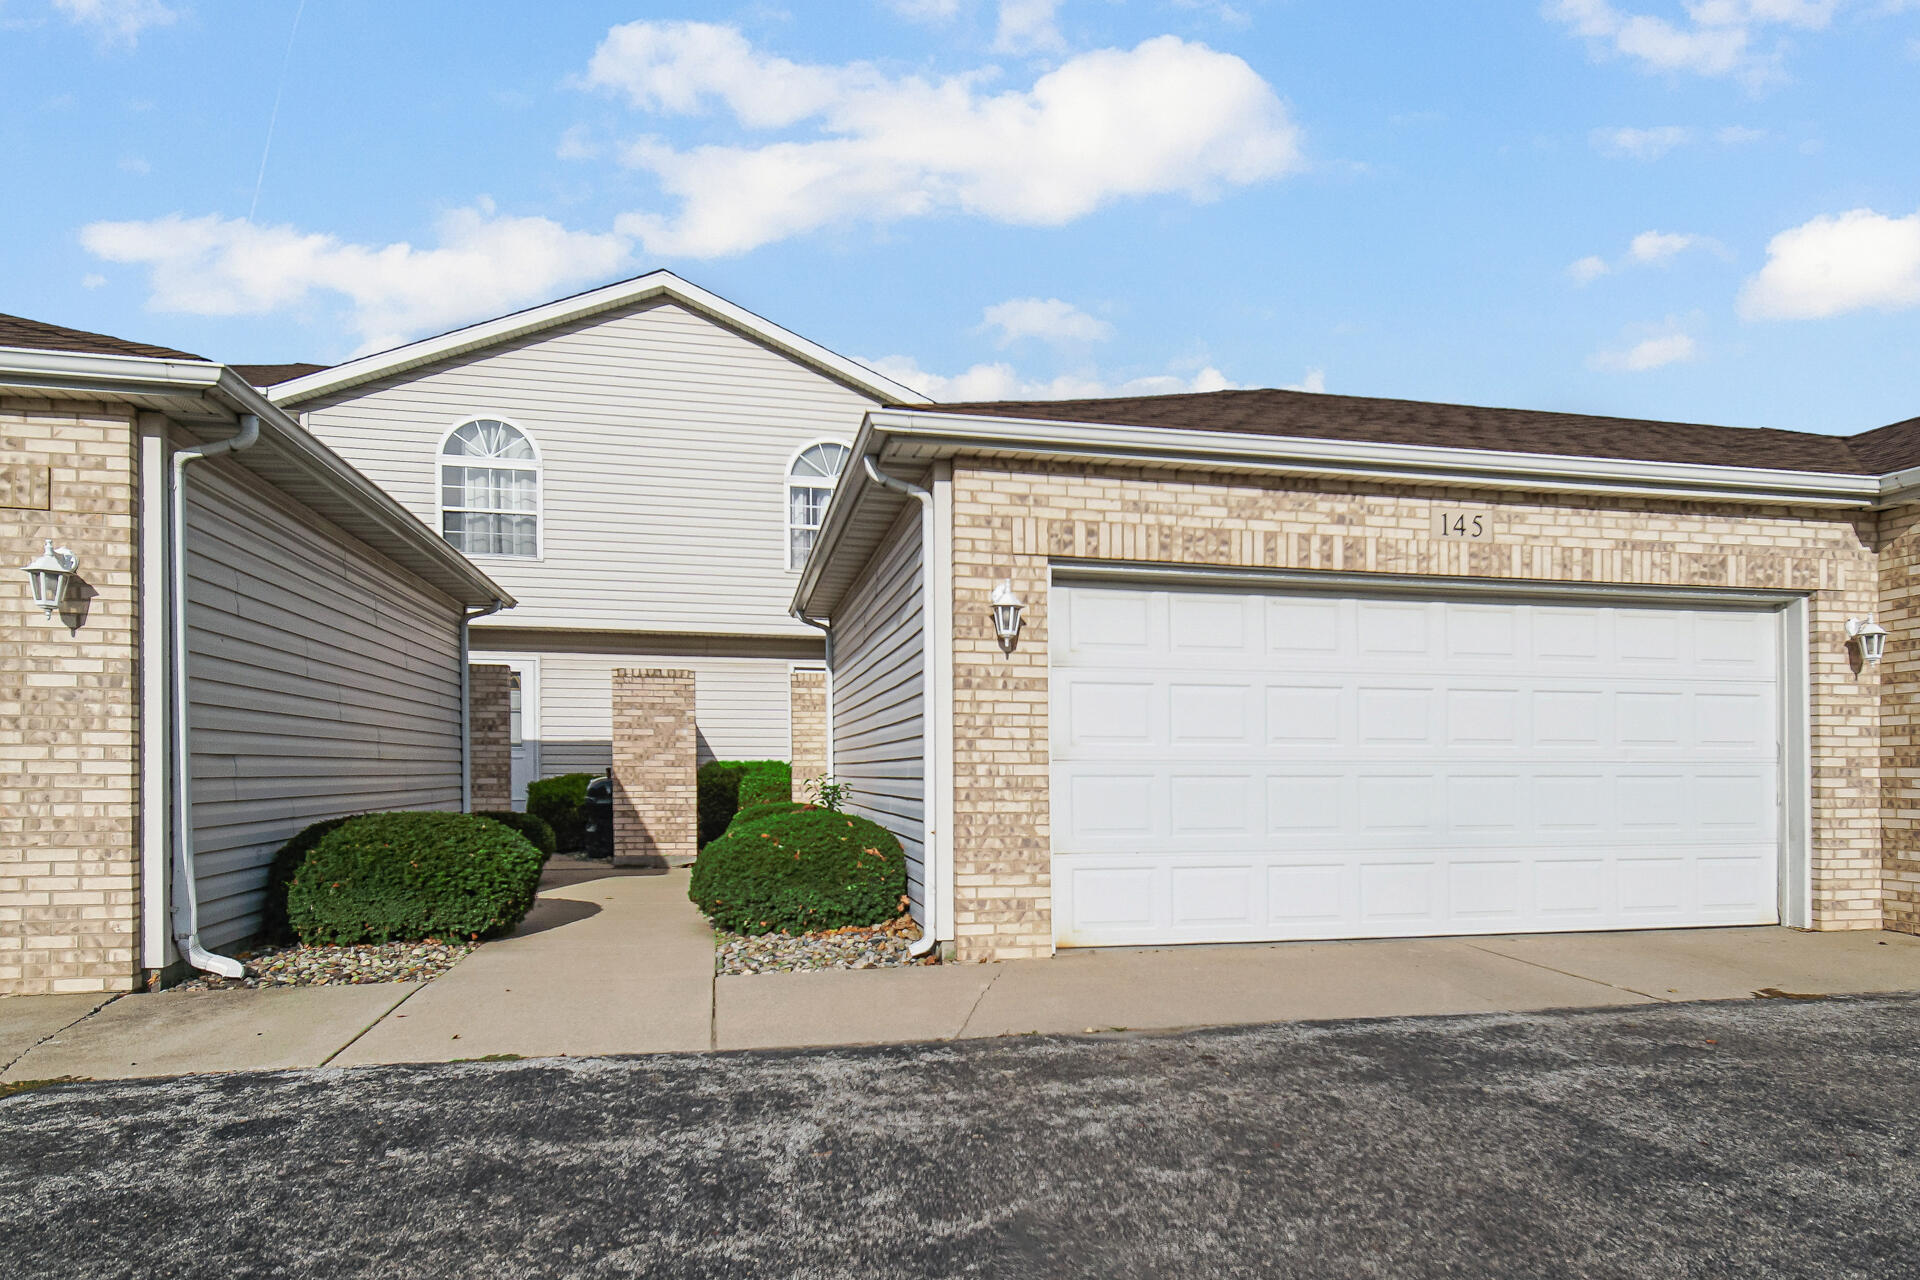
[(299, 966), (874, 947)]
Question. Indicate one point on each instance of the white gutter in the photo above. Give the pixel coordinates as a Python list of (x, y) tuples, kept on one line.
[(932, 730), (186, 895), (466, 705)]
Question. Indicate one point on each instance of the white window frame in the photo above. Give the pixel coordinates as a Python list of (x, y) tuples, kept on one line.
[(787, 486), (538, 466)]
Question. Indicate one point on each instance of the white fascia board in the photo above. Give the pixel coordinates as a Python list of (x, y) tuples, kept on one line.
[(566, 310), (226, 394), (1899, 488), (947, 435)]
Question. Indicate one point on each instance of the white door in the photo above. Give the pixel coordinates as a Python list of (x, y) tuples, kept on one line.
[(524, 720), (1242, 766)]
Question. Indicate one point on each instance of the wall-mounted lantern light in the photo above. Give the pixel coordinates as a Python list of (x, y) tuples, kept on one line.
[(50, 575), (1006, 613), (1870, 635)]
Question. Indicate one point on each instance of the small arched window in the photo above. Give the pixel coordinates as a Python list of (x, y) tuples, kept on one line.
[(490, 490), (810, 482)]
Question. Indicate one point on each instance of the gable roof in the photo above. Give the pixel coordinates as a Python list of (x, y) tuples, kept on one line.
[(266, 375), (1316, 416), (1895, 447), (626, 293), (38, 335)]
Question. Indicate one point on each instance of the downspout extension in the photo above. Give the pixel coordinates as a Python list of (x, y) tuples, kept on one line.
[(931, 736), (186, 892), (466, 706)]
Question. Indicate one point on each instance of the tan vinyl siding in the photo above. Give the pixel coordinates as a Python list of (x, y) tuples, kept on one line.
[(740, 706), (879, 655), (324, 681), (664, 440)]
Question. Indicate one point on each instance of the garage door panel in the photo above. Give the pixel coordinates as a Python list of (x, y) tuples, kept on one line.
[(1351, 767)]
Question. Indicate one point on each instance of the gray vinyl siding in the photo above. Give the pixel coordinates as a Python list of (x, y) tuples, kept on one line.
[(665, 440), (324, 680), (879, 663), (740, 707)]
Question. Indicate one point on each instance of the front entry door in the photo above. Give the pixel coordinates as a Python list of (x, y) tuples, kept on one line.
[(524, 722)]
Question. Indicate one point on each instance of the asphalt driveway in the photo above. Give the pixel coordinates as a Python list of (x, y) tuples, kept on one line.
[(1753, 1138)]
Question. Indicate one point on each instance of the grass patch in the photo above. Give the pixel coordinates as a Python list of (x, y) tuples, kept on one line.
[(9, 1088)]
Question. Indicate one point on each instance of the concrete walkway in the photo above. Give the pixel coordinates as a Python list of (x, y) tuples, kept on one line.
[(618, 963)]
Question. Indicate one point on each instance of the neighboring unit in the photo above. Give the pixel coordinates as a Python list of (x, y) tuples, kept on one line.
[(1306, 666), (252, 638), (644, 466)]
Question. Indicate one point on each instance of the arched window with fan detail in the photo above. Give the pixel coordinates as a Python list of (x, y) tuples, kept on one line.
[(810, 480), (490, 489)]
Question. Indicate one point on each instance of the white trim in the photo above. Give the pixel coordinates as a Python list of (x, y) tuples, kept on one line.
[(538, 466), (787, 486), (938, 688), (1796, 766), (611, 297), (156, 802)]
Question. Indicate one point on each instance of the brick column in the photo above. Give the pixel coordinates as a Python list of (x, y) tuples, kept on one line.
[(807, 718), (489, 735), (654, 798)]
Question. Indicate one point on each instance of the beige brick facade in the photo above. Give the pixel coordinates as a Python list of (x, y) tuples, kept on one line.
[(1010, 523), (489, 735), (807, 716), (1900, 716), (655, 801), (69, 698)]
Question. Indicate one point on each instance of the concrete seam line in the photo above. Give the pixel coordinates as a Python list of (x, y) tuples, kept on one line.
[(385, 1014), (1567, 973), (713, 1005), (59, 1030), (968, 1020)]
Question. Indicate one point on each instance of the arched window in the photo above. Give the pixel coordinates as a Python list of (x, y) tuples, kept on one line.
[(490, 490), (810, 482)]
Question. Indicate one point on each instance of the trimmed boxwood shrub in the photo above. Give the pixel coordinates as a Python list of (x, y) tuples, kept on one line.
[(725, 786), (531, 825), (561, 803), (273, 913), (386, 877), (753, 813), (800, 871)]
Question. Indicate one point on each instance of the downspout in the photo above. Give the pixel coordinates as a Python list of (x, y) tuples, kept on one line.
[(932, 732), (826, 634), (466, 706), (186, 894)]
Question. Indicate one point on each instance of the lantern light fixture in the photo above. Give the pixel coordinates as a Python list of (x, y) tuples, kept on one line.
[(1006, 613), (50, 576), (1870, 635)]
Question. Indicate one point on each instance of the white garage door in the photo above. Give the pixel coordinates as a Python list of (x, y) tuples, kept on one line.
[(1241, 766)]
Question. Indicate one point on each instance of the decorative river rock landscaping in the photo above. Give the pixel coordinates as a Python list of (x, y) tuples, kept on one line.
[(870, 947), (299, 966)]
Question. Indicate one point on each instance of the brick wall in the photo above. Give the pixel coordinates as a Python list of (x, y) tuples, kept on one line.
[(69, 701), (1899, 675), (489, 733), (1010, 523), (807, 714), (654, 747)]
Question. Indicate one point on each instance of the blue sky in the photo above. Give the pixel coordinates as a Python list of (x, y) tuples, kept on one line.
[(1705, 211)]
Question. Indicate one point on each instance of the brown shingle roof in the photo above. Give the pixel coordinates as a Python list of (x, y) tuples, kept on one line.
[(1890, 448), (1411, 422), (269, 375), (37, 335)]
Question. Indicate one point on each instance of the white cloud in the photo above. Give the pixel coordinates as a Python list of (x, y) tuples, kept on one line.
[(135, 165), (1641, 144), (1588, 269), (117, 21), (92, 280), (1315, 381), (482, 265), (1716, 38), (925, 10), (1027, 25), (1657, 352), (1048, 319), (1659, 246), (1737, 135), (1836, 263), (999, 381), (1166, 118)]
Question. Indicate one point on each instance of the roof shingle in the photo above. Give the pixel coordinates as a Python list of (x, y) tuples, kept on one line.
[(37, 335)]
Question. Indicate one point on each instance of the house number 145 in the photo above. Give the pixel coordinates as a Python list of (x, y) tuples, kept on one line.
[(1461, 526)]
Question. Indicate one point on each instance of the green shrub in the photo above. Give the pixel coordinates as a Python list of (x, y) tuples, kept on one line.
[(561, 803), (386, 877), (755, 812), (273, 913), (726, 785), (531, 825), (800, 871)]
